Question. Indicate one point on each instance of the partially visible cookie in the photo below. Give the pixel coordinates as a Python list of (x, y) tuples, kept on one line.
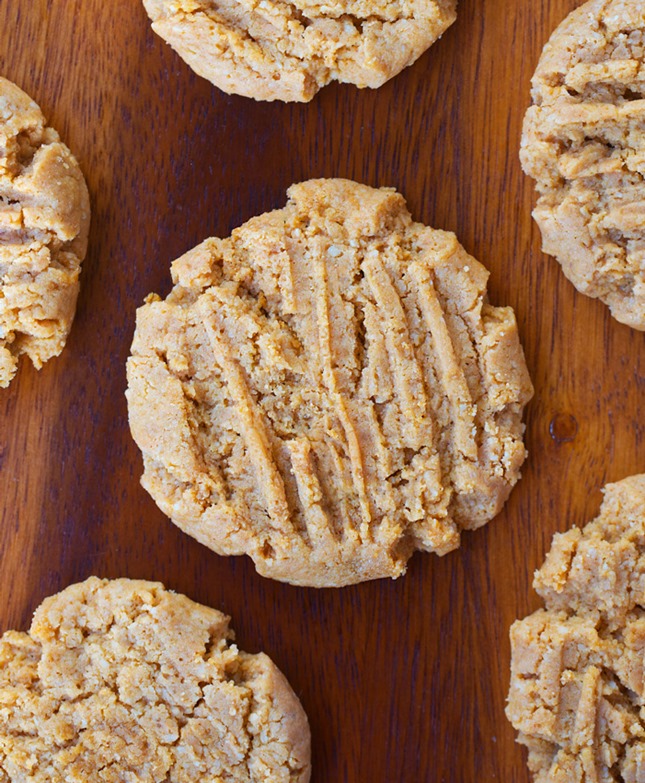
[(44, 221), (287, 50), (329, 389), (584, 144), (577, 693), (125, 681)]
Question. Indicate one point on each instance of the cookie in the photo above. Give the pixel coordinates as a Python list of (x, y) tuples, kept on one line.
[(125, 681), (583, 143), (287, 51), (577, 678), (328, 389), (44, 221)]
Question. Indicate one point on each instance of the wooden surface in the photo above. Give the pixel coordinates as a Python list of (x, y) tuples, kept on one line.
[(403, 681)]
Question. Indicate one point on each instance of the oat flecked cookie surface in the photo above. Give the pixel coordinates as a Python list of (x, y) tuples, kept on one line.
[(328, 389), (288, 50), (577, 693), (123, 680), (44, 221), (584, 144)]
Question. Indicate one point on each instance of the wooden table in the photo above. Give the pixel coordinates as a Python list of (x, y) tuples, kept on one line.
[(403, 681)]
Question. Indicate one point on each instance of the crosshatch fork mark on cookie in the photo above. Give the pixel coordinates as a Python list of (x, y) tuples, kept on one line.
[(328, 390), (577, 685), (584, 144), (44, 222)]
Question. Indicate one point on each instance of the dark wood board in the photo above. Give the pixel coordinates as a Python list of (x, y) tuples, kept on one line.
[(403, 681)]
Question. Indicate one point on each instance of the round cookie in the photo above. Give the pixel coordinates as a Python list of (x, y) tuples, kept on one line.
[(328, 389), (122, 681), (44, 222), (583, 143), (279, 50), (577, 685)]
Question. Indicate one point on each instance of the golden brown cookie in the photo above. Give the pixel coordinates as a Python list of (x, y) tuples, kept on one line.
[(577, 677), (288, 50), (44, 221), (583, 143), (328, 389), (125, 681)]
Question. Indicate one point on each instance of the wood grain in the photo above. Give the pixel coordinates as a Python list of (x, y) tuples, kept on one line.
[(402, 681)]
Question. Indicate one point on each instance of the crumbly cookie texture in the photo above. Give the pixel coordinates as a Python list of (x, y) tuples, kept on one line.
[(577, 692), (584, 144), (44, 221), (288, 49), (123, 680), (328, 389)]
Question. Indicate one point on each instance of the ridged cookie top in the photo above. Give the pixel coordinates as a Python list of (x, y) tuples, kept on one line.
[(577, 682), (122, 681), (584, 143), (328, 389), (44, 221), (281, 50)]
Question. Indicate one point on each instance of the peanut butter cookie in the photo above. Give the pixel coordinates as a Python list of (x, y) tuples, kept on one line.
[(282, 50), (44, 221), (124, 681), (328, 389), (584, 144), (577, 680)]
